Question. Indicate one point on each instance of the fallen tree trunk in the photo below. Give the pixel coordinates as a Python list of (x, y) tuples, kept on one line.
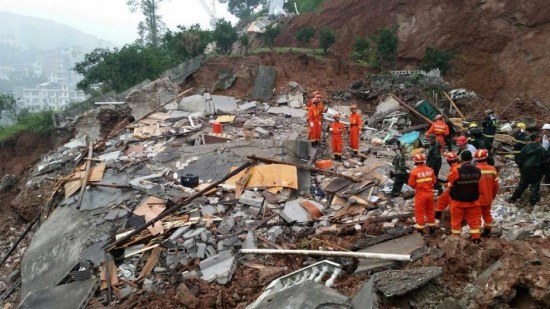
[(359, 255)]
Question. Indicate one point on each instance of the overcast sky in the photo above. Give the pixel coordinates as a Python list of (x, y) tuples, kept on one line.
[(111, 20)]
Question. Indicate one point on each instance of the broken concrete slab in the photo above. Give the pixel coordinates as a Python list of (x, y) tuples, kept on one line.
[(285, 110), (98, 197), (219, 267), (194, 103), (307, 295), (400, 282), (412, 244), (94, 253), (367, 298), (259, 122), (55, 249), (251, 198), (248, 106), (72, 295), (224, 105), (212, 166), (296, 212), (265, 83)]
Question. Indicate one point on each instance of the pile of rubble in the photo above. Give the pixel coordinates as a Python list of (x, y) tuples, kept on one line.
[(218, 197)]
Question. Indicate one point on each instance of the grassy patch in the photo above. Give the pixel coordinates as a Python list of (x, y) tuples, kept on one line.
[(39, 123), (306, 6)]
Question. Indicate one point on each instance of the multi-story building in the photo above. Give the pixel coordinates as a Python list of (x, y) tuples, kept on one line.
[(49, 96)]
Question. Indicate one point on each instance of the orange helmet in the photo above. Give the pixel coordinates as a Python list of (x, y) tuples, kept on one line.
[(353, 106), (419, 158), (451, 156), (461, 140), (481, 154)]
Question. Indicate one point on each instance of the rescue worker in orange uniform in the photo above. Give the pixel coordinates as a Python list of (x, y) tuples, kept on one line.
[(445, 199), (488, 189), (355, 125), (316, 93), (314, 117), (337, 129), (314, 123), (441, 130), (464, 197), (423, 179)]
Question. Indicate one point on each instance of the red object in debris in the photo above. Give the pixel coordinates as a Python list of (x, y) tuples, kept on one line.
[(217, 127), (323, 164)]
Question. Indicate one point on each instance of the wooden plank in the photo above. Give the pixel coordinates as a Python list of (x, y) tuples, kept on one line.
[(151, 262), (86, 174), (454, 105), (113, 275), (412, 110), (151, 208)]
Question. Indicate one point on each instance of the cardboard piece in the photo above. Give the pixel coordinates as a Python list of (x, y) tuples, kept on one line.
[(268, 176), (96, 174), (225, 119), (151, 207)]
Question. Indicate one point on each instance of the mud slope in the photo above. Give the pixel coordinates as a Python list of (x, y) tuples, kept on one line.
[(503, 45)]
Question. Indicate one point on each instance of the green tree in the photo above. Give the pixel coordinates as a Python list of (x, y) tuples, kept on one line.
[(437, 58), (244, 40), (186, 43), (305, 34), (150, 30), (8, 102), (224, 35), (120, 69), (270, 34), (243, 9), (361, 50), (386, 47), (327, 38)]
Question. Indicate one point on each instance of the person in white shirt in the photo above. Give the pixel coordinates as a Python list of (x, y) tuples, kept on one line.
[(545, 135)]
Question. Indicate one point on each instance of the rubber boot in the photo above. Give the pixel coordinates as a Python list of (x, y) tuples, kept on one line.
[(486, 232), (431, 230)]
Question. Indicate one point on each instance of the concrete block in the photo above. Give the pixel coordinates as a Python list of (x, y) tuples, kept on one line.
[(193, 233), (250, 241), (224, 105), (201, 250), (72, 295), (263, 132), (179, 232), (189, 243), (219, 267), (252, 199), (248, 106)]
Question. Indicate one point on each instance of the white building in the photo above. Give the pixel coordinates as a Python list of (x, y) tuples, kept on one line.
[(49, 96)]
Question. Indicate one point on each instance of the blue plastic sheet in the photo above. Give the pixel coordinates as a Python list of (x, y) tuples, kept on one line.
[(409, 138)]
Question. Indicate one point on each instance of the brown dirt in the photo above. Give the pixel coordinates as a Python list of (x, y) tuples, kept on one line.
[(502, 45)]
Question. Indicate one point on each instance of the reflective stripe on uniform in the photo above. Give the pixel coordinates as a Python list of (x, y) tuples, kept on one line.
[(424, 179), (519, 141), (491, 136), (488, 224), (418, 226), (488, 172), (455, 231), (431, 224), (474, 231)]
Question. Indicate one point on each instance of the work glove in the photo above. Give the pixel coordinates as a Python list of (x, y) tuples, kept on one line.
[(311, 124), (438, 215), (330, 129)]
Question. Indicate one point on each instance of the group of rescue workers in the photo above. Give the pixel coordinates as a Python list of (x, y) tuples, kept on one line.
[(316, 108), (472, 182)]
